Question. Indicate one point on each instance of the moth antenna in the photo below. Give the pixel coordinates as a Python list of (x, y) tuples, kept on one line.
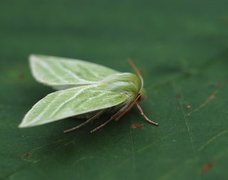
[(136, 69), (145, 117)]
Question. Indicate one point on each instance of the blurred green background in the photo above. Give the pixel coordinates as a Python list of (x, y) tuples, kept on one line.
[(182, 49)]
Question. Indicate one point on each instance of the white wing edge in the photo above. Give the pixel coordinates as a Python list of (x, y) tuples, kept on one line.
[(33, 58)]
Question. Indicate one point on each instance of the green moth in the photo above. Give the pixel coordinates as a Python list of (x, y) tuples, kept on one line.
[(84, 89)]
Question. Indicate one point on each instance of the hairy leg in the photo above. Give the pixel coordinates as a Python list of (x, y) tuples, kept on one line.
[(128, 108), (118, 114), (84, 123), (110, 119)]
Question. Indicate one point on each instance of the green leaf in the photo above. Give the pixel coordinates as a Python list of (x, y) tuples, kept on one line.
[(182, 51)]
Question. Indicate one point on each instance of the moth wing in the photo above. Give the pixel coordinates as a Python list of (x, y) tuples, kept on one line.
[(71, 102), (62, 73)]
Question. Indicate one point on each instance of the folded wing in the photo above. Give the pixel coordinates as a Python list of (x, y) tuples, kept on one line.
[(62, 73), (71, 102)]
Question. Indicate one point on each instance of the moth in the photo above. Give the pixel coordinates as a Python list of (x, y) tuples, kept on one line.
[(84, 89)]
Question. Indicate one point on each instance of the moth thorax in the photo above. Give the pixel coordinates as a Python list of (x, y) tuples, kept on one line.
[(124, 82)]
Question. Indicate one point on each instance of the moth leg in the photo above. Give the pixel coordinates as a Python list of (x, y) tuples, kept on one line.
[(119, 113), (100, 126), (116, 116), (145, 117), (84, 123), (124, 110)]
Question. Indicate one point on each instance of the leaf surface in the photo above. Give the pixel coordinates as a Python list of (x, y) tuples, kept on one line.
[(181, 49)]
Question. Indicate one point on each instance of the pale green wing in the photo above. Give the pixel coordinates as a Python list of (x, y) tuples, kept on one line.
[(62, 73), (72, 102)]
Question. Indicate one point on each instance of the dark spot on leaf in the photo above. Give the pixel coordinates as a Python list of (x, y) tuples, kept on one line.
[(21, 77), (206, 167), (136, 125), (224, 19), (218, 85), (26, 156), (178, 96)]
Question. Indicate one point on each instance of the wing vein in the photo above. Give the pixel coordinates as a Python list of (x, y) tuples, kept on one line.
[(50, 70), (47, 108), (90, 99), (68, 100), (68, 71)]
